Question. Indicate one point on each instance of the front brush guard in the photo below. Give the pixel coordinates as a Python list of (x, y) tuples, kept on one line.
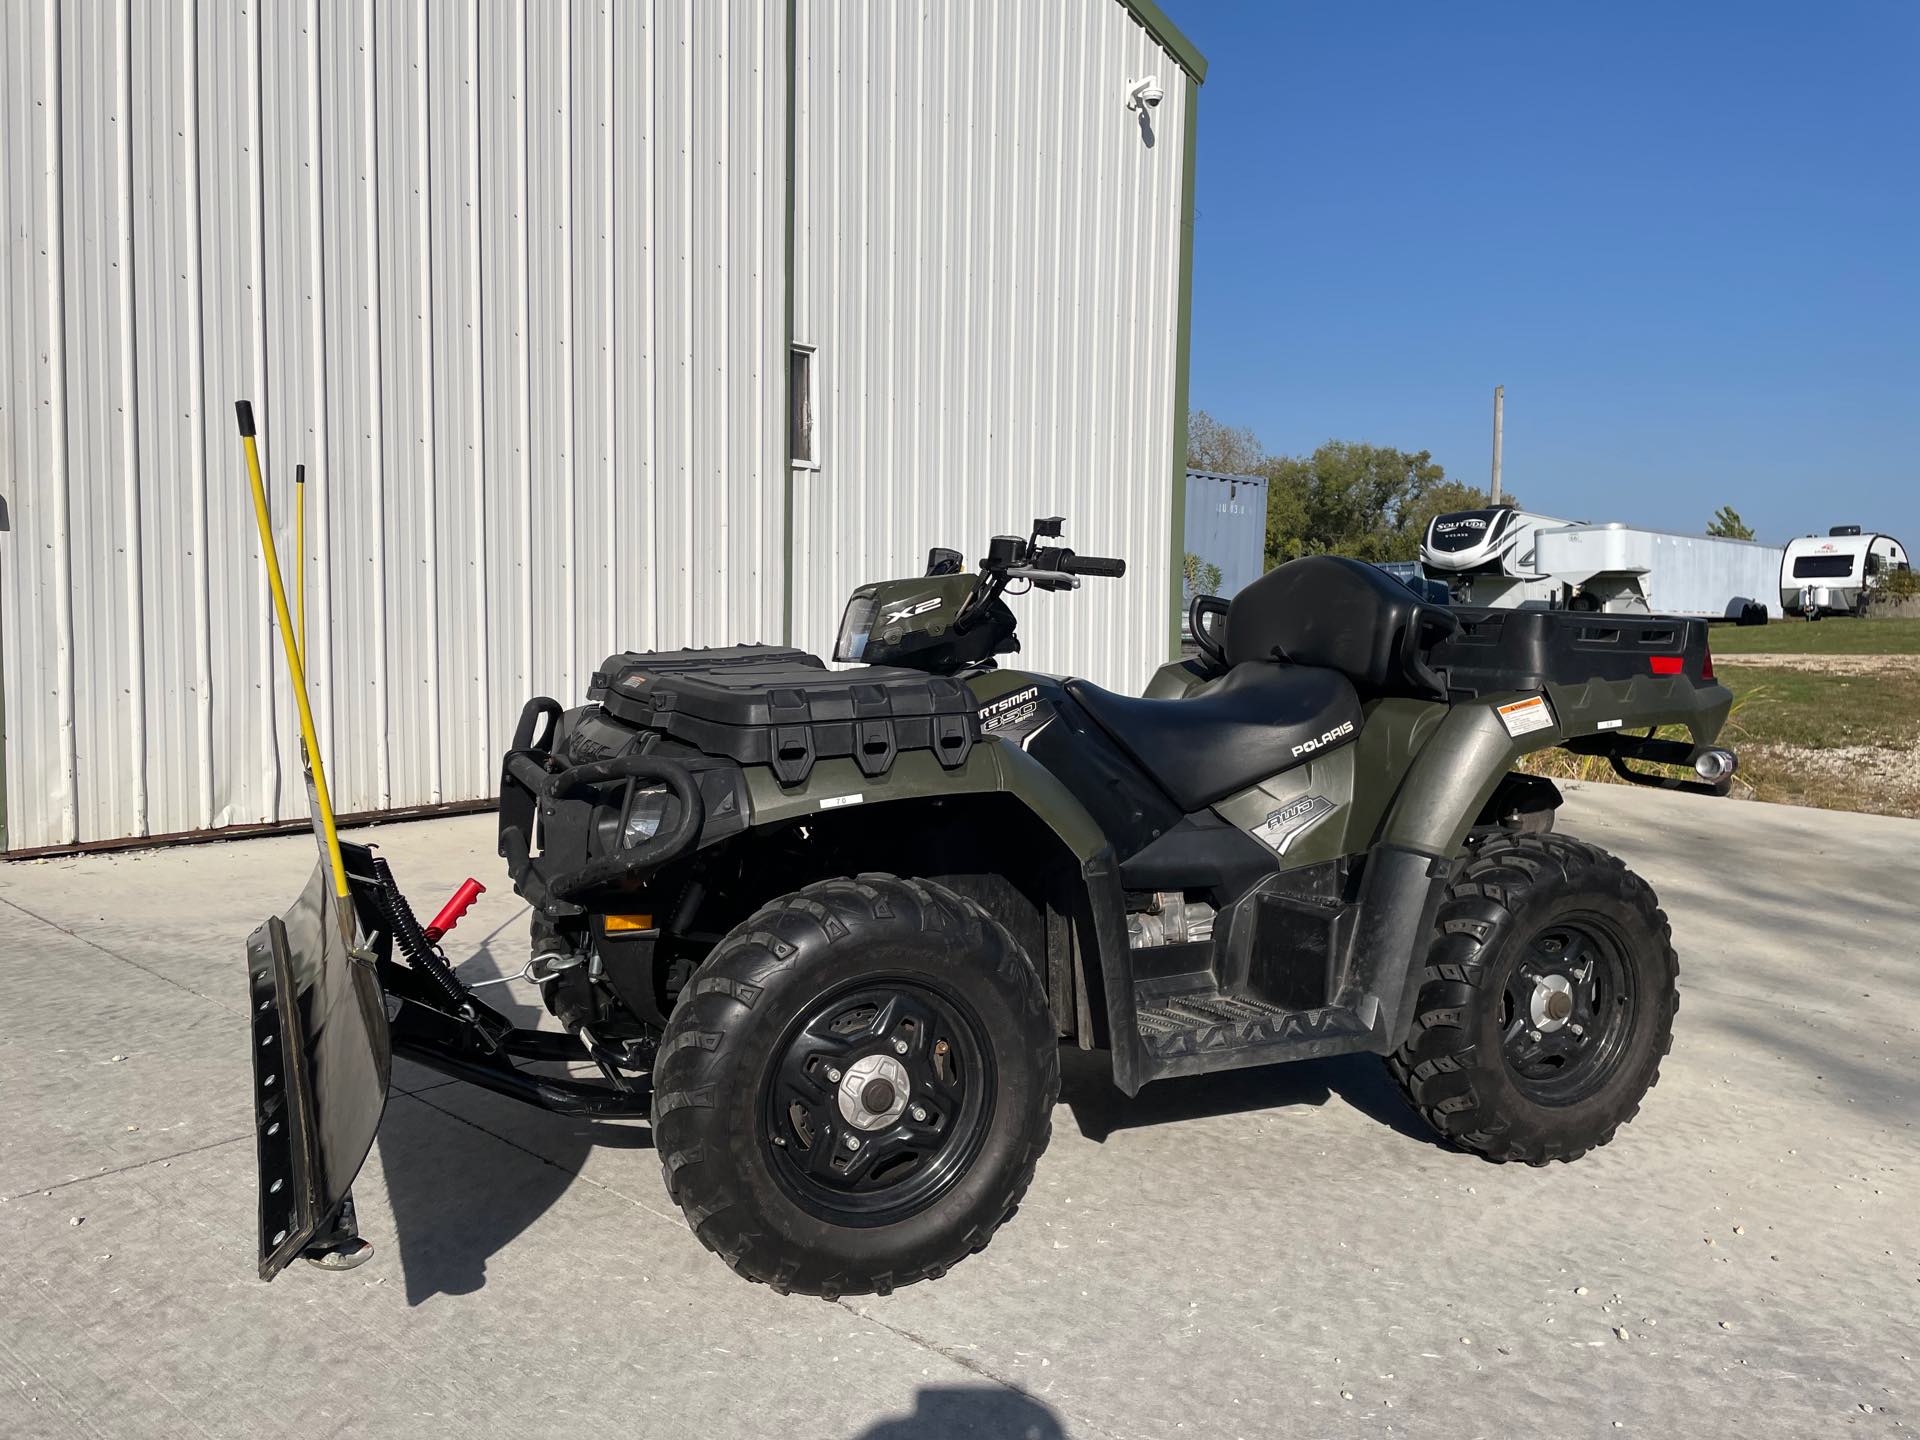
[(561, 802)]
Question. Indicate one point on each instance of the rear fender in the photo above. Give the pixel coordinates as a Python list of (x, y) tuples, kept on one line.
[(1457, 771)]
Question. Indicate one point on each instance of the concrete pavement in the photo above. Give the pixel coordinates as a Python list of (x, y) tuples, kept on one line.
[(1276, 1252)]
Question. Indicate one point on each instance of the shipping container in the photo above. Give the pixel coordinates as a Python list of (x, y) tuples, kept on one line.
[(1226, 540)]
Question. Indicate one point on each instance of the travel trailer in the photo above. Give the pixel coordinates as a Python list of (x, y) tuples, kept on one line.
[(1487, 557), (1833, 574)]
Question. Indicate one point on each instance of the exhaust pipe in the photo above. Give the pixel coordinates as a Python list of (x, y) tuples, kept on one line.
[(1716, 767)]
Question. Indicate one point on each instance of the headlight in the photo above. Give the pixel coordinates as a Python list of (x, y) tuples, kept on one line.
[(644, 815), (856, 625)]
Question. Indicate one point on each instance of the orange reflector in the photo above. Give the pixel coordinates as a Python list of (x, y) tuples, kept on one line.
[(617, 923)]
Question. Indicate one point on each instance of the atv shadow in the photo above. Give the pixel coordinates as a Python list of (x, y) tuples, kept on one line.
[(1099, 1108), (468, 1171), (949, 1412)]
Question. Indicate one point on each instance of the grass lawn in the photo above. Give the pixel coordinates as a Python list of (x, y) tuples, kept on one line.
[(1828, 716), (1838, 635), (1842, 741), (1846, 739), (1819, 709)]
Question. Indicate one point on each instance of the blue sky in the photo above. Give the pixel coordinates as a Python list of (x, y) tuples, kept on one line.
[(1685, 237)]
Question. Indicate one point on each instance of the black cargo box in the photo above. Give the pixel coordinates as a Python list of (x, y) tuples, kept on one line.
[(1501, 650), (765, 705)]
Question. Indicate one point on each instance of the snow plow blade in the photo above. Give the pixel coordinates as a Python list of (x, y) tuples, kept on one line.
[(322, 1058)]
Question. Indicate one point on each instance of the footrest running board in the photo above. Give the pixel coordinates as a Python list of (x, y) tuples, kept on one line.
[(1201, 1031)]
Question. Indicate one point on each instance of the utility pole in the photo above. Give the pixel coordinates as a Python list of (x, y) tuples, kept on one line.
[(1499, 411)]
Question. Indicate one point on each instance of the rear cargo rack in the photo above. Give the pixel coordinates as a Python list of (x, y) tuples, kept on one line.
[(1500, 651)]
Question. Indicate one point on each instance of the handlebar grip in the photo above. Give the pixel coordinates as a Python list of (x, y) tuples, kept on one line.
[(1094, 565)]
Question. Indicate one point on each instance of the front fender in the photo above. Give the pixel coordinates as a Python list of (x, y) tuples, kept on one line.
[(991, 768)]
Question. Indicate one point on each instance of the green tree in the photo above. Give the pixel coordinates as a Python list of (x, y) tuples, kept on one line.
[(1727, 525), (1224, 449), (1201, 577), (1372, 502)]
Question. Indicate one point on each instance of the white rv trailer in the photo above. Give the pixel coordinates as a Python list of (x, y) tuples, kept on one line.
[(1487, 557), (1624, 570), (1832, 574)]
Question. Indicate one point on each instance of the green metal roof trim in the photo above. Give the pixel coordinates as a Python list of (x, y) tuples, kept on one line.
[(1155, 22), (1182, 372)]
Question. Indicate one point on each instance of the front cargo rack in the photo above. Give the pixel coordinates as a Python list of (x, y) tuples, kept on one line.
[(768, 705)]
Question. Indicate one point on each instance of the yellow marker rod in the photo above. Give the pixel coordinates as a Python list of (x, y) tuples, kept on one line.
[(300, 555), (291, 644)]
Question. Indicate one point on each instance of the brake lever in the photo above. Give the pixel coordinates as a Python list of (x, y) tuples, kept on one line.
[(1044, 579)]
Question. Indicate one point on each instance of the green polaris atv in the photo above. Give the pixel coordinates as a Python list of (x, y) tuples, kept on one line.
[(828, 928)]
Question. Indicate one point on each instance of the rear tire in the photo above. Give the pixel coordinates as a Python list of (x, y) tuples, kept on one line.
[(1546, 1002), (808, 1174)]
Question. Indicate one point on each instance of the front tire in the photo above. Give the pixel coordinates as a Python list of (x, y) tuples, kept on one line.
[(855, 1087), (1546, 1003)]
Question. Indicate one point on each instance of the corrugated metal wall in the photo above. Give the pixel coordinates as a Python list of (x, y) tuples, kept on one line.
[(987, 256), (509, 277)]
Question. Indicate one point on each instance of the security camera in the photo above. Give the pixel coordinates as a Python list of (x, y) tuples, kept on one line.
[(1145, 93)]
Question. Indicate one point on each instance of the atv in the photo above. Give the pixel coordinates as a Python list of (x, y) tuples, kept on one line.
[(827, 929)]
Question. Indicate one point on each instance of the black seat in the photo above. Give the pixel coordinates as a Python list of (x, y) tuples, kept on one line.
[(1331, 611), (1258, 719)]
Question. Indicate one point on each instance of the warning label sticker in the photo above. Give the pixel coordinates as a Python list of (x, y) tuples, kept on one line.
[(1523, 716)]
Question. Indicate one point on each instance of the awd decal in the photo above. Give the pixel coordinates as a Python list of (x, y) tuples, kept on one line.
[(1291, 821), (1307, 747)]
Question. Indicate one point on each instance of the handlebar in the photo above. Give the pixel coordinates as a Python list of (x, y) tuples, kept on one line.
[(1073, 564), (1043, 567), (1035, 560)]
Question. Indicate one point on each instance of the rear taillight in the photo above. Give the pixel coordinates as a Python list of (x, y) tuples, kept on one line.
[(1664, 664), (1706, 666)]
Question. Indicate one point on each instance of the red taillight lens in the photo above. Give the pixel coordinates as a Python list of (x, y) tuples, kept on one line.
[(1664, 664), (1706, 670)]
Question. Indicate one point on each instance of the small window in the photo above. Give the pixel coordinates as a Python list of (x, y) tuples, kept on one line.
[(803, 434)]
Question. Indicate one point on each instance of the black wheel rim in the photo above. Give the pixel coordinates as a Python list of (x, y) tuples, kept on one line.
[(1567, 1011), (877, 1100)]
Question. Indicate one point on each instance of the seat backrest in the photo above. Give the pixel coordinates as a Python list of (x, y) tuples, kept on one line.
[(1344, 615)]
